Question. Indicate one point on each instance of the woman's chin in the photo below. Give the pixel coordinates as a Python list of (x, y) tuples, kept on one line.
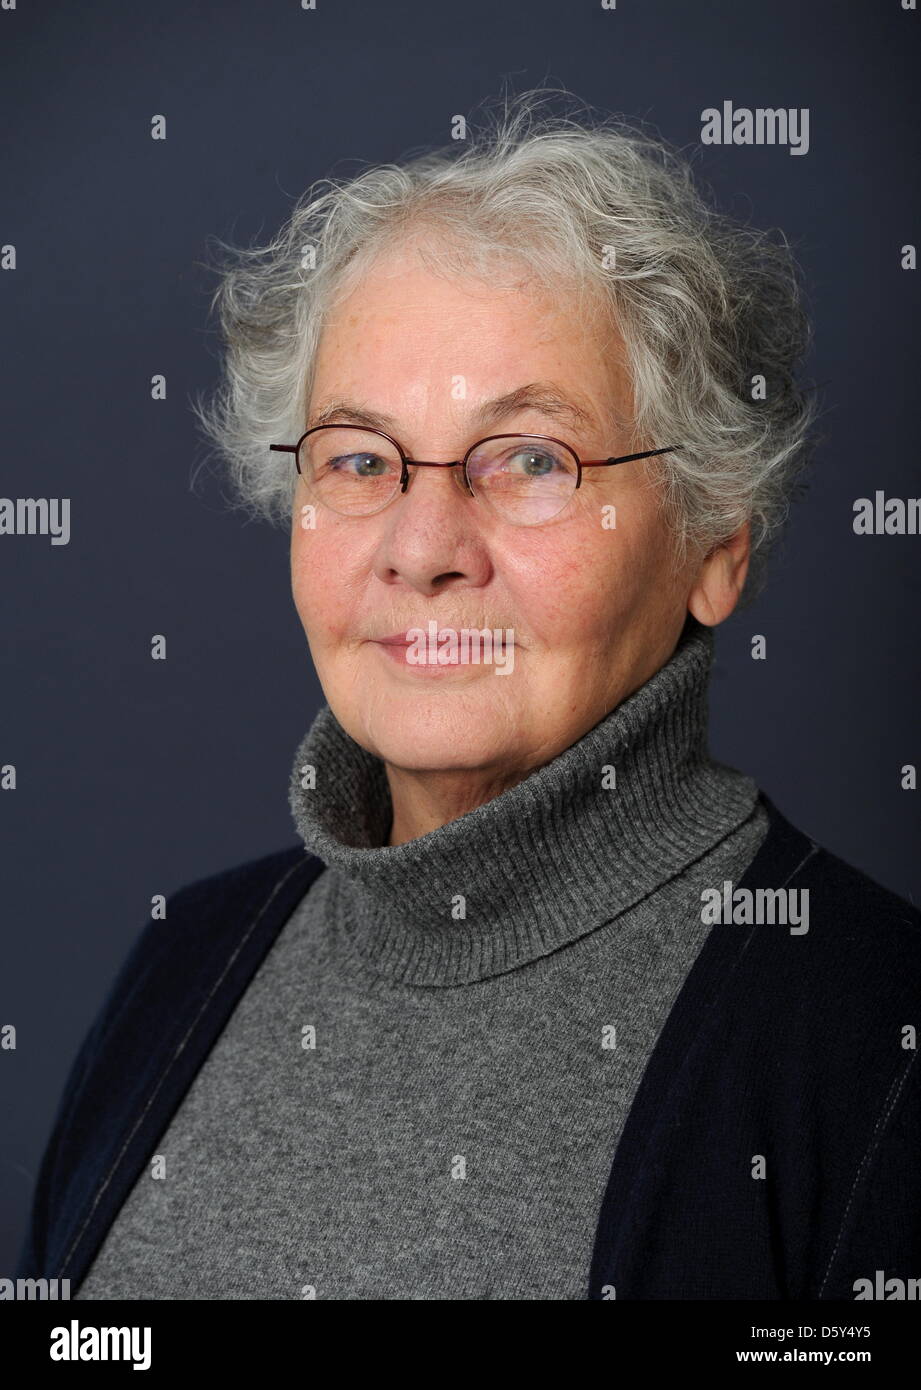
[(430, 743)]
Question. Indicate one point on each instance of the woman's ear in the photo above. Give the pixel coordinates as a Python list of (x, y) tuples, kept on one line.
[(720, 579)]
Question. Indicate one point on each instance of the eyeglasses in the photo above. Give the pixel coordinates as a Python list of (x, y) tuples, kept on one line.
[(526, 479)]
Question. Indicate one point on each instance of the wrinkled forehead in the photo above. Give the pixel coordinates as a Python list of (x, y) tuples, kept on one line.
[(430, 319)]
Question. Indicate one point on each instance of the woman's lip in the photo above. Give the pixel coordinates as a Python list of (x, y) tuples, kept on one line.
[(399, 639), (398, 652), (401, 650)]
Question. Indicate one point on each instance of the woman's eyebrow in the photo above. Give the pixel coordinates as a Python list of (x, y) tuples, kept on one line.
[(544, 397)]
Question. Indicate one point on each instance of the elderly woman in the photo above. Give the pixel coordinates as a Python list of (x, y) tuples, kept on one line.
[(555, 1006)]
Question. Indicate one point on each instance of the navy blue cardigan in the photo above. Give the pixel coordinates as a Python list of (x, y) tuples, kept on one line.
[(787, 1054)]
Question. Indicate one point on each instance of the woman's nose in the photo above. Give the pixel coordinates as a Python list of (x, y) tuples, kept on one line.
[(456, 470)]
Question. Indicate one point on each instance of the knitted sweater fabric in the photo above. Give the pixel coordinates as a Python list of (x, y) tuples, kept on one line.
[(422, 1090)]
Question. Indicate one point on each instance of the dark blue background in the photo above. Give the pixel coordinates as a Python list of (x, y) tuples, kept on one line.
[(135, 776)]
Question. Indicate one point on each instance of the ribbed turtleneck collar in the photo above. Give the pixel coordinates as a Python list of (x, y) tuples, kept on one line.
[(544, 862)]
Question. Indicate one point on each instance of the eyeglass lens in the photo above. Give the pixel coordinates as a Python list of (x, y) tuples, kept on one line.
[(523, 478)]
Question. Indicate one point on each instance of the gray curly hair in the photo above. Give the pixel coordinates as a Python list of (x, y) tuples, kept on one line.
[(705, 305)]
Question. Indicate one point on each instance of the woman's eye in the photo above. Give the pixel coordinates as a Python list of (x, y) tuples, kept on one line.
[(359, 465), (533, 465)]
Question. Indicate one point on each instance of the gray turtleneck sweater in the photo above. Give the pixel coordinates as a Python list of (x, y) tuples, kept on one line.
[(421, 1092)]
